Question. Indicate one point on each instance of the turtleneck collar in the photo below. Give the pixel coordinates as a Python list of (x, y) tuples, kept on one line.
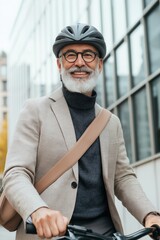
[(79, 100)]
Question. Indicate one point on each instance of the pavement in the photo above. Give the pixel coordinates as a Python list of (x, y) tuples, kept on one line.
[(6, 235)]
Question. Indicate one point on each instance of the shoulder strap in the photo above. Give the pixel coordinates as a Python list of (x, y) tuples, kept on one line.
[(75, 153)]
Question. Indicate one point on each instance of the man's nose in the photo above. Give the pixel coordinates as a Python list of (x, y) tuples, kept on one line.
[(79, 61)]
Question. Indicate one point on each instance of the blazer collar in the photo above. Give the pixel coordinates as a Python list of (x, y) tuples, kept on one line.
[(62, 113), (57, 94)]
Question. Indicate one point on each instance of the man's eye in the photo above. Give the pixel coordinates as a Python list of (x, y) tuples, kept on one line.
[(88, 54), (70, 55)]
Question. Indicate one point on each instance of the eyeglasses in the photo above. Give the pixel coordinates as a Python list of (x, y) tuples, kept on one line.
[(71, 56)]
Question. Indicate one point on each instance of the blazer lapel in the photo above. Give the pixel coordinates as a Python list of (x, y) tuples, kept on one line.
[(62, 113)]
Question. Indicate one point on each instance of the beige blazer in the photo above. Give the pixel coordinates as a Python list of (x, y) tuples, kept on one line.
[(43, 134)]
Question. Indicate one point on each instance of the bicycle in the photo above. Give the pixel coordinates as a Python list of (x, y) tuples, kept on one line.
[(75, 232)]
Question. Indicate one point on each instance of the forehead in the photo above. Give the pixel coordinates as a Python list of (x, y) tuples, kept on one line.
[(79, 47)]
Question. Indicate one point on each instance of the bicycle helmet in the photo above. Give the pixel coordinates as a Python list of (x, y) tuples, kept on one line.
[(80, 33)]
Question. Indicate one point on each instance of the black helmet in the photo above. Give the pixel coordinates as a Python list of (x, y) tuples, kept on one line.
[(80, 33)]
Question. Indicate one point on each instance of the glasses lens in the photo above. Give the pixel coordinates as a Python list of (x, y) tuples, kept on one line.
[(89, 56), (70, 56)]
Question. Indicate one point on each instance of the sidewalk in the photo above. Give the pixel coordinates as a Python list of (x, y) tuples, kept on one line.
[(6, 235)]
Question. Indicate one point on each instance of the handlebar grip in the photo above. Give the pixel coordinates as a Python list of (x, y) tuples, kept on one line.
[(30, 228), (156, 232)]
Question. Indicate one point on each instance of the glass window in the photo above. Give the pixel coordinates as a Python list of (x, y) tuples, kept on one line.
[(3, 70), (38, 48), (43, 74), (28, 55), (137, 55), (4, 86), (156, 111), (134, 11), (83, 9), (48, 77), (42, 36), (60, 13), (122, 69), (123, 111), (67, 15), (4, 115), (34, 54), (49, 28), (94, 7), (143, 148), (99, 89), (82, 5), (119, 18), (42, 89), (146, 2), (5, 101), (74, 10), (54, 23), (109, 80), (107, 24), (153, 21)]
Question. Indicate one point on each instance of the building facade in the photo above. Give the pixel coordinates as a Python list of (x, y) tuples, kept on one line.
[(129, 85), (3, 87)]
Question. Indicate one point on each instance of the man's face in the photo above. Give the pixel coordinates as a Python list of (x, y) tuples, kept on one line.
[(79, 71)]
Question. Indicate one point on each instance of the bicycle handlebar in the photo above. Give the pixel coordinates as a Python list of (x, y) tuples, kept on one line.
[(75, 232)]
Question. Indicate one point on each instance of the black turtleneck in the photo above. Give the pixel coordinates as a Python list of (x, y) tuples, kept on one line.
[(91, 200)]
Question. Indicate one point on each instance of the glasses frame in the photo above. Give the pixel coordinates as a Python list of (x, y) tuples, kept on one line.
[(77, 53)]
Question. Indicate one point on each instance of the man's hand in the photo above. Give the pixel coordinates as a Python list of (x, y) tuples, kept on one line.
[(49, 223), (150, 220)]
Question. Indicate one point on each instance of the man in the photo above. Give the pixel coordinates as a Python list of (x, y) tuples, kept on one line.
[(48, 127)]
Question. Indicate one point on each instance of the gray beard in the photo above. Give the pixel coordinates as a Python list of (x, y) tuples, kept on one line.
[(80, 85)]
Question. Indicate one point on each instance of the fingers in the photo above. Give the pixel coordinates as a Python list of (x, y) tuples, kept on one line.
[(151, 220), (62, 225), (49, 223)]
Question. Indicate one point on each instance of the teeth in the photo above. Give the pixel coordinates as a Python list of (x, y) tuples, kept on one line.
[(79, 72)]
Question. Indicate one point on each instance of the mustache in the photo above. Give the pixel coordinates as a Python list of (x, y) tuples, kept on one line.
[(80, 69)]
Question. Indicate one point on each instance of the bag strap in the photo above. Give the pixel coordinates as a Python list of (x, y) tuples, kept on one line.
[(75, 153)]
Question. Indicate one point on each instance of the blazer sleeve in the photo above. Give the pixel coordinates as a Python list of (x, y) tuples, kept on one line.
[(20, 166), (127, 187)]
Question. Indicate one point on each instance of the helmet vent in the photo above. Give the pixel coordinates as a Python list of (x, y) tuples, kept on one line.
[(85, 29), (70, 30), (99, 37)]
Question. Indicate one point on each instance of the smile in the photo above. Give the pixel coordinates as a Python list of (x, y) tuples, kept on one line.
[(80, 74)]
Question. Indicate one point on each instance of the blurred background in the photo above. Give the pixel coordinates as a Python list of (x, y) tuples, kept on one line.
[(129, 85)]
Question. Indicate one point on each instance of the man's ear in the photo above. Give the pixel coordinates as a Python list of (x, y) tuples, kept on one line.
[(100, 65), (59, 64)]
